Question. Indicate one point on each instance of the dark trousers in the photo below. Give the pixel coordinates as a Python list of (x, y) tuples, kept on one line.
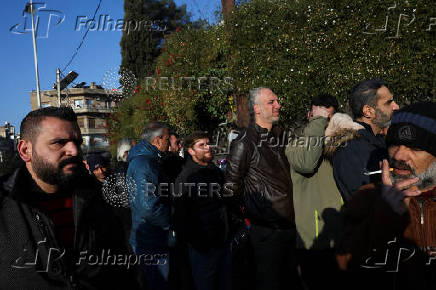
[(212, 269), (274, 258), (319, 269)]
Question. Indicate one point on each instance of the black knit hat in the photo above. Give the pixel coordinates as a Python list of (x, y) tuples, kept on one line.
[(414, 126)]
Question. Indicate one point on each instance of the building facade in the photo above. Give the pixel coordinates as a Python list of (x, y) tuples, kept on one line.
[(92, 104)]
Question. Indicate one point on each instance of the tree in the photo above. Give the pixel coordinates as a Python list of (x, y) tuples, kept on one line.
[(146, 24), (303, 48)]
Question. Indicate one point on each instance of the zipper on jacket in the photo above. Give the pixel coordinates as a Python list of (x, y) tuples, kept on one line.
[(316, 224), (421, 210)]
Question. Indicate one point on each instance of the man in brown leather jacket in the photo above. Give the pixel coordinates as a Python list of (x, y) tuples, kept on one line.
[(390, 229), (259, 173)]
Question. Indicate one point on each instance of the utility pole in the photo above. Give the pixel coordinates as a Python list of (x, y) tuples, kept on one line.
[(32, 12), (58, 82)]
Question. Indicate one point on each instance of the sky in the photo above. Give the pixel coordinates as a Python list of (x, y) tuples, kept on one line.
[(56, 43)]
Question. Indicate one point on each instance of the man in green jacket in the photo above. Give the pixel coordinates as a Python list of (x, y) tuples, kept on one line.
[(317, 200)]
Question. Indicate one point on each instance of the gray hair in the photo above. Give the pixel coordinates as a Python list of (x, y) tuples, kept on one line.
[(254, 97), (123, 146), (153, 129)]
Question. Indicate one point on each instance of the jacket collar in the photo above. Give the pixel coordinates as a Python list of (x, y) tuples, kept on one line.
[(369, 135), (275, 130), (21, 187), (143, 148)]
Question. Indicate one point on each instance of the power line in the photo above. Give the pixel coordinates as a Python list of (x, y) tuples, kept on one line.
[(83, 39)]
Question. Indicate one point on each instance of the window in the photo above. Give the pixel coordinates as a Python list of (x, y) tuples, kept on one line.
[(45, 105), (91, 122), (81, 122), (78, 103)]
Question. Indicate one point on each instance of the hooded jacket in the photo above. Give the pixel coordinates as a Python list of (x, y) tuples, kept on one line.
[(31, 256), (258, 172), (317, 200), (150, 210), (357, 151)]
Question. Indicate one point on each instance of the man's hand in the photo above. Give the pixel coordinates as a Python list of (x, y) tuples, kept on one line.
[(397, 195), (319, 111)]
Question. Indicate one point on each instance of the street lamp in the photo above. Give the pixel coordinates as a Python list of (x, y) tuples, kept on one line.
[(30, 9), (63, 83)]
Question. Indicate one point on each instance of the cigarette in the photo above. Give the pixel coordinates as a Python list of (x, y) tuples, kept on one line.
[(375, 172)]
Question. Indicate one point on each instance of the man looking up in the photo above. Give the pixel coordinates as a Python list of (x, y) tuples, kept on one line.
[(202, 216), (259, 172)]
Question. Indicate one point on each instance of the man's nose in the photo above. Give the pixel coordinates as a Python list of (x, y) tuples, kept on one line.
[(71, 149), (400, 153), (395, 106), (278, 106)]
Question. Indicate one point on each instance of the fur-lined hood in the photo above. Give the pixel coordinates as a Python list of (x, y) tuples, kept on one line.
[(339, 131)]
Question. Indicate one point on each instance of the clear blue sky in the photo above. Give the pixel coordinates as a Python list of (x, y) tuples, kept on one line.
[(56, 43)]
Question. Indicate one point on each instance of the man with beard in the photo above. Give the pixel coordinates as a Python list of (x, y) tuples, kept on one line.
[(372, 105), (52, 219), (259, 173), (390, 228), (201, 216)]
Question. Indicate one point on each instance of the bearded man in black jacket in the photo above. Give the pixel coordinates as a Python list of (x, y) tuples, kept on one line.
[(201, 217), (56, 231)]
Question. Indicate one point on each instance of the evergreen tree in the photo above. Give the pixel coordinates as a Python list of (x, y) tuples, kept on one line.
[(146, 24)]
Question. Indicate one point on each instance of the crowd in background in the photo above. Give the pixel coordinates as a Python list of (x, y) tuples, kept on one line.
[(351, 206)]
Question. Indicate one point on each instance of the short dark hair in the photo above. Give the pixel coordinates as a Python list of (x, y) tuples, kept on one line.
[(364, 93), (194, 137), (174, 133), (325, 100), (29, 128)]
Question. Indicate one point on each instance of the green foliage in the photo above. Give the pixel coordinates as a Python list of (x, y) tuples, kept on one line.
[(147, 22), (189, 90), (303, 48), (297, 48)]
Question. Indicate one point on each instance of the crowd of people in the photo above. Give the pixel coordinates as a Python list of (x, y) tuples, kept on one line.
[(352, 206)]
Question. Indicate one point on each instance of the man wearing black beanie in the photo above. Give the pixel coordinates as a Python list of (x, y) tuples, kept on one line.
[(390, 228)]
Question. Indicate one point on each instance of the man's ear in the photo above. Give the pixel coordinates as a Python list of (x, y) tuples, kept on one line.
[(256, 109), (368, 111), (191, 151), (25, 150), (155, 141), (86, 164)]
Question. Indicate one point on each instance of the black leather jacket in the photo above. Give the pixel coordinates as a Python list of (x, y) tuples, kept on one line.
[(32, 257), (258, 170)]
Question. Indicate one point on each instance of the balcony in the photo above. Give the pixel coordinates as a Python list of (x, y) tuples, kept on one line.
[(87, 131), (91, 109)]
